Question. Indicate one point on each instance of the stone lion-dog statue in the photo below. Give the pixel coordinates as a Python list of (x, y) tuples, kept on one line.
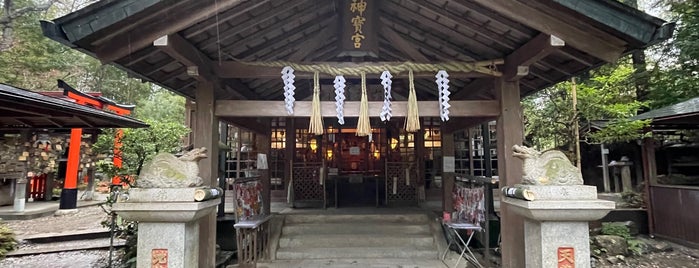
[(548, 168), (169, 171)]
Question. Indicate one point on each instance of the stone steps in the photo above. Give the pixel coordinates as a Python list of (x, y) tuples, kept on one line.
[(356, 240), (354, 252), (347, 236)]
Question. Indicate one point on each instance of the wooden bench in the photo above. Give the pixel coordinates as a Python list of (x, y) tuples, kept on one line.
[(252, 236)]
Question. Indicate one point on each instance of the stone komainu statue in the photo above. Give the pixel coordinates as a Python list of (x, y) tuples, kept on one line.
[(547, 168), (169, 171)]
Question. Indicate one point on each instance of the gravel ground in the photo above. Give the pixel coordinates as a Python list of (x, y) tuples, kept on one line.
[(85, 218), (71, 259), (90, 218)]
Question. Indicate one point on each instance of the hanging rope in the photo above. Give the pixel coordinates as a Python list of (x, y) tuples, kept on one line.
[(485, 67), (412, 122), (316, 126), (363, 126)]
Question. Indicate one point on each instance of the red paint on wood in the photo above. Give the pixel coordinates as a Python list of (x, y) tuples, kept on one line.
[(71, 180)]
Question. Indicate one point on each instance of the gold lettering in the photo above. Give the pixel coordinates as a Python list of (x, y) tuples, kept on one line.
[(358, 6), (357, 38), (358, 22)]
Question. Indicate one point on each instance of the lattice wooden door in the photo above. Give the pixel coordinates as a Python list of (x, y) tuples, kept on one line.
[(307, 184), (401, 183)]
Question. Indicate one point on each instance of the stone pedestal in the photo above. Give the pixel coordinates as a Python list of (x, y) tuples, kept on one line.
[(20, 194), (168, 228), (556, 231)]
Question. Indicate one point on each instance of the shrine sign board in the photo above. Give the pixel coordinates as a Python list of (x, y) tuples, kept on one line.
[(358, 28)]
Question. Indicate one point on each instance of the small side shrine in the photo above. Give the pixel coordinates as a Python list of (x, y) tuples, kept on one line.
[(671, 171), (35, 139)]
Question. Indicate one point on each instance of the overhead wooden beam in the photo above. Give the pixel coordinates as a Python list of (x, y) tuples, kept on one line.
[(254, 124), (473, 89), (55, 122), (590, 40), (244, 108), (184, 52), (234, 69), (310, 45), (127, 42), (517, 63), (401, 44)]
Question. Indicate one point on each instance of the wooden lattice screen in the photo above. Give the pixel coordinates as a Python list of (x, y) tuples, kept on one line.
[(398, 190), (307, 184)]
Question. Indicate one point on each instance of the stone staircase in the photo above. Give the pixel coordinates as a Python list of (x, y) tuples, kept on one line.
[(380, 236)]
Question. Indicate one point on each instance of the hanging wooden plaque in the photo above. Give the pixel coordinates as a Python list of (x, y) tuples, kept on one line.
[(358, 28)]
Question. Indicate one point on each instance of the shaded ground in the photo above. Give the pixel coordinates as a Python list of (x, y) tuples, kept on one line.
[(86, 218), (90, 218)]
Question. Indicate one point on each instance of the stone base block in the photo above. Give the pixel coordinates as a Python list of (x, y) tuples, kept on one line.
[(161, 195), (561, 192), (544, 239), (176, 244)]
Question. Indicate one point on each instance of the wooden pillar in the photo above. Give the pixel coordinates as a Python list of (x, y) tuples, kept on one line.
[(289, 150), (189, 120), (650, 178), (448, 175), (509, 133), (420, 161), (264, 147), (69, 195), (206, 135)]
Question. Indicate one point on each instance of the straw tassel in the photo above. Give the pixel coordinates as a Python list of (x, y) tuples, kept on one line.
[(363, 126), (316, 126), (412, 122)]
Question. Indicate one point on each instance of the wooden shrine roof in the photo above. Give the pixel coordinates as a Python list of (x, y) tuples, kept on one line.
[(24, 109), (683, 115), (215, 34)]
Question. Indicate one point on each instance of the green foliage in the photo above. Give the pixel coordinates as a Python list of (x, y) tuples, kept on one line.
[(675, 77), (632, 199), (616, 229), (636, 247), (607, 95), (7, 240)]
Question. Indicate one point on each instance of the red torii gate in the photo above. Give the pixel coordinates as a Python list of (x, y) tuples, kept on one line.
[(69, 195)]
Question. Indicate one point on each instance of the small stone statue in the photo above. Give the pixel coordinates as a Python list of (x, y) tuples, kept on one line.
[(547, 168), (168, 171)]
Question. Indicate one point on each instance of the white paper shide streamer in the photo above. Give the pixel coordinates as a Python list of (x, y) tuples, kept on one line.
[(289, 88), (340, 98), (443, 88), (386, 82)]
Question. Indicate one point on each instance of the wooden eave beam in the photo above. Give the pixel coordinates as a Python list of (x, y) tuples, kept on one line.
[(234, 69), (587, 39), (403, 45), (184, 52), (257, 125), (518, 62), (189, 56), (151, 29), (55, 122), (85, 121), (227, 16), (24, 122), (270, 14), (473, 89), (245, 108)]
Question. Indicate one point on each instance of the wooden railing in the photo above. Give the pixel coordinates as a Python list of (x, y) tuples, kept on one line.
[(252, 236)]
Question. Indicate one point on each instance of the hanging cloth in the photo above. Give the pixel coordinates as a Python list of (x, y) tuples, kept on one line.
[(386, 110), (340, 98), (289, 88)]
